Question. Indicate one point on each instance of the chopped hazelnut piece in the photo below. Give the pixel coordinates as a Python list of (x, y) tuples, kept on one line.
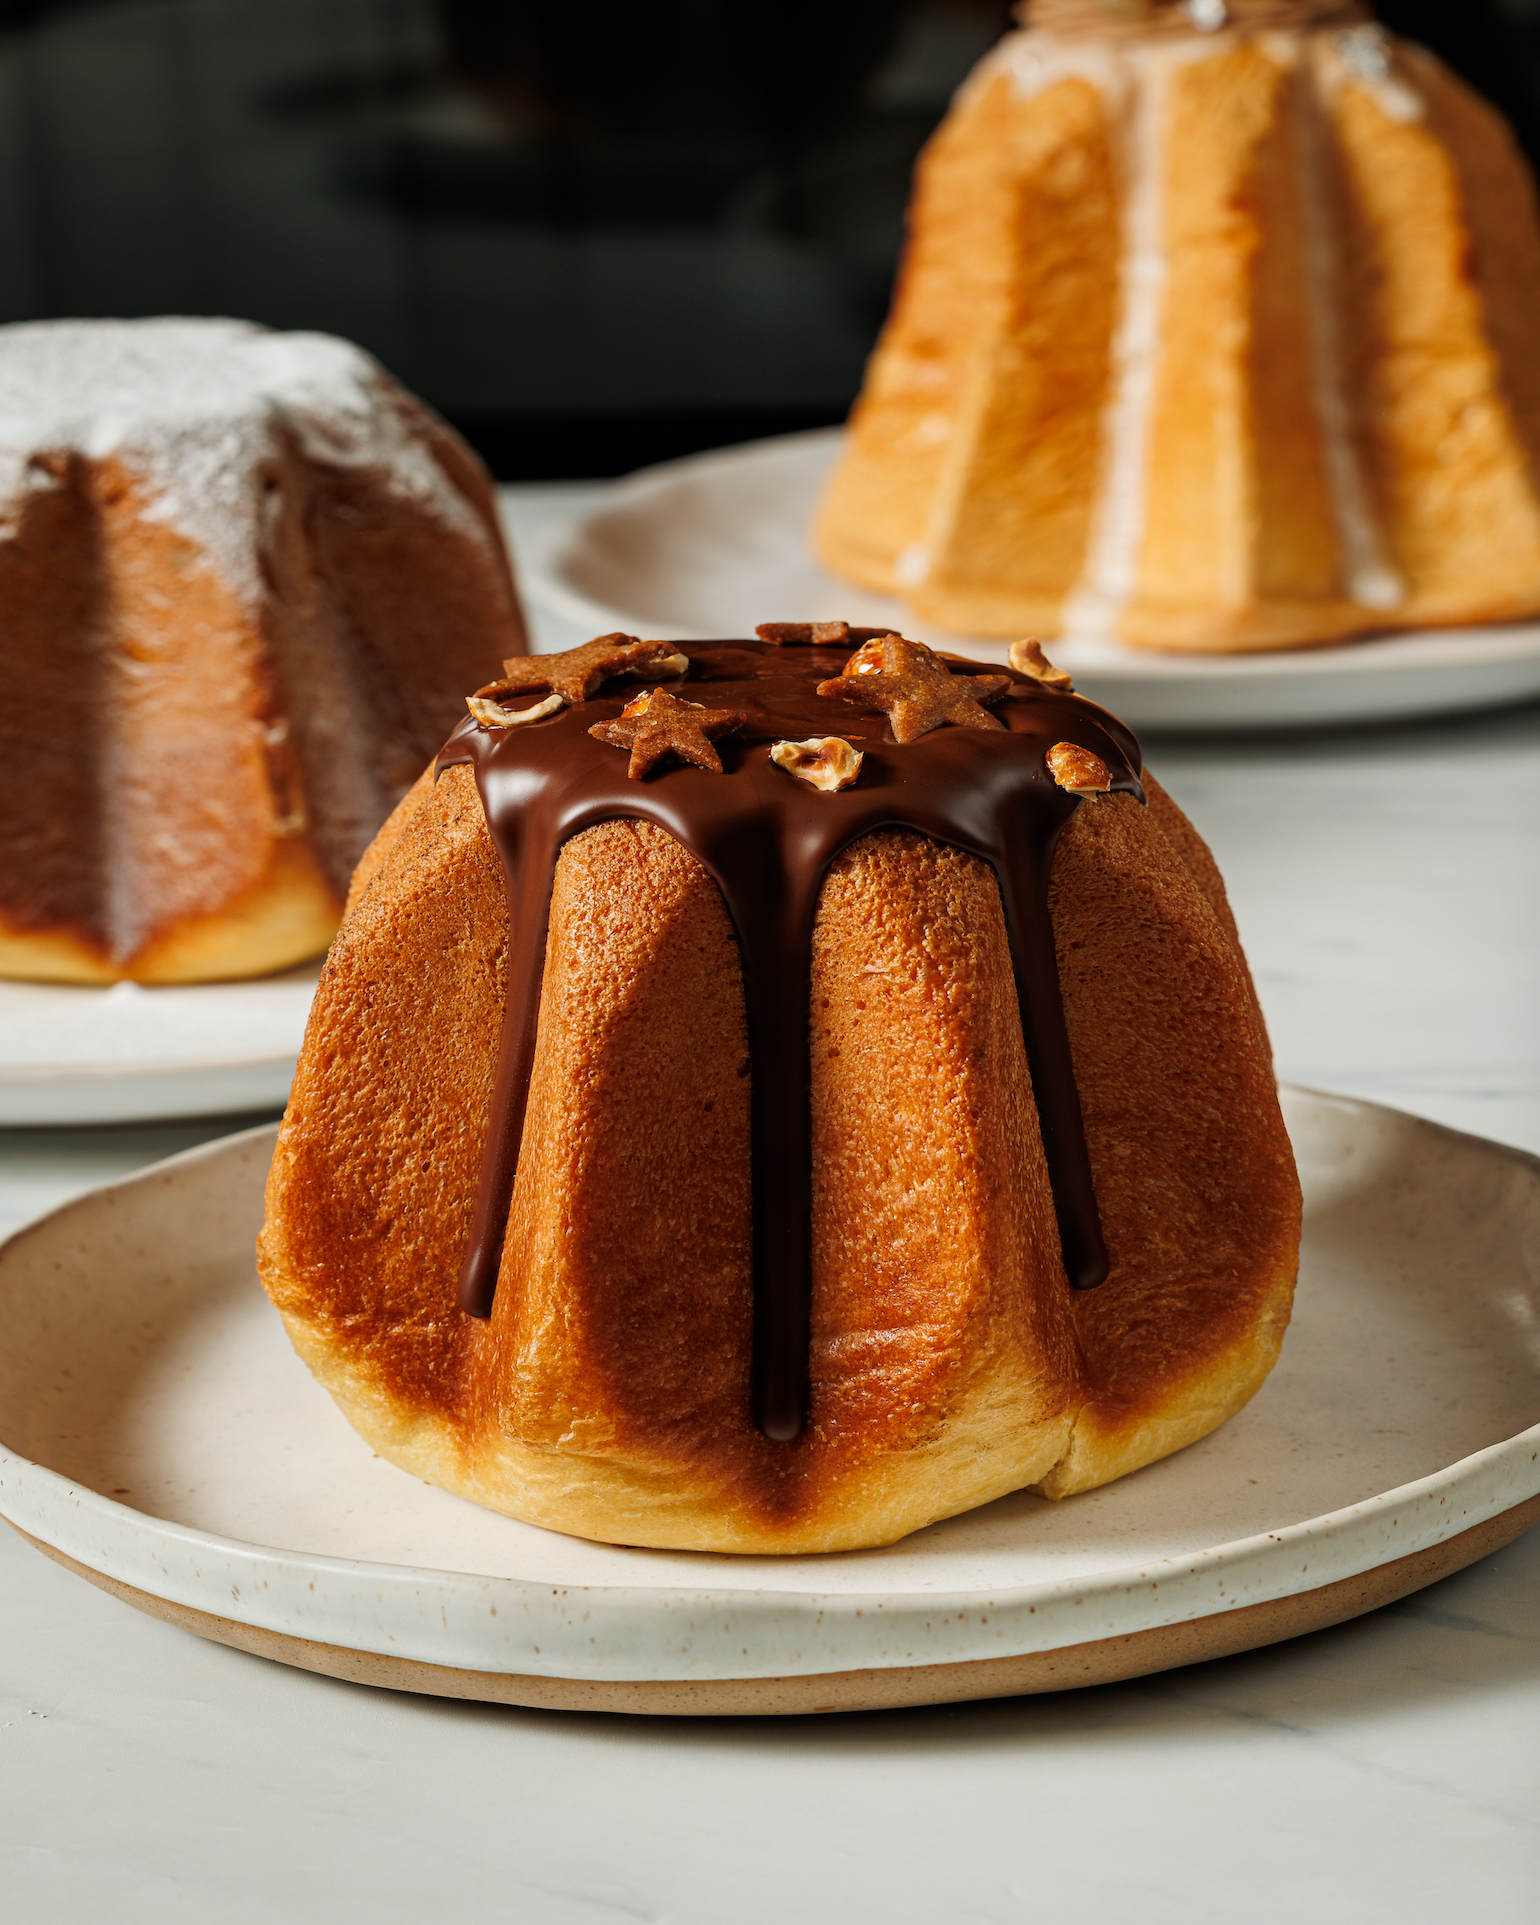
[(1027, 658), (828, 762), (1077, 770), (663, 668), (492, 715)]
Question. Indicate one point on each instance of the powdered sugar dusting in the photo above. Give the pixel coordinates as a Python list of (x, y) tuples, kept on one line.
[(192, 407), (1367, 56), (1036, 61)]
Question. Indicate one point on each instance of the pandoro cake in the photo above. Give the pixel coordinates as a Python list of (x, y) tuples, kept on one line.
[(776, 1106), (245, 580), (1218, 329)]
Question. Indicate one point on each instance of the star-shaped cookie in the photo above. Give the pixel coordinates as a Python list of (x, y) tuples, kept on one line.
[(656, 725), (575, 673), (914, 689)]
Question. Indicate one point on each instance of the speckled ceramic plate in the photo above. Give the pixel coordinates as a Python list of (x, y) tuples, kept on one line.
[(714, 544), (74, 1054), (157, 1434)]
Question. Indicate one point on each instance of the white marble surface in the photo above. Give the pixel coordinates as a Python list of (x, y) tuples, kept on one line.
[(1388, 1770)]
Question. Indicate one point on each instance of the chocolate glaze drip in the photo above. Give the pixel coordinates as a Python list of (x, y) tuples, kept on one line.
[(768, 838)]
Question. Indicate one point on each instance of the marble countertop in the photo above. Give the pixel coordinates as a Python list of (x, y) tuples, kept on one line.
[(1385, 881)]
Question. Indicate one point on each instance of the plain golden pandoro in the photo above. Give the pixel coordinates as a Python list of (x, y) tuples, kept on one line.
[(1209, 340), (611, 1392)]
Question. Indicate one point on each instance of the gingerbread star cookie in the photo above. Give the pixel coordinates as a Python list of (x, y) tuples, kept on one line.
[(657, 725), (575, 673), (908, 683)]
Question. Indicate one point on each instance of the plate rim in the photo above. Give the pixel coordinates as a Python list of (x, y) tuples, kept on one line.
[(1481, 643), (1068, 1667), (1255, 1570), (26, 1074), (81, 1092)]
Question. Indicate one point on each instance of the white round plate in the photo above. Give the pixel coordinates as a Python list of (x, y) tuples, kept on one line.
[(715, 544), (74, 1054), (157, 1432)]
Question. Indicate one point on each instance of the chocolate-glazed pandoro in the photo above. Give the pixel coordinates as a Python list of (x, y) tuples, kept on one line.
[(711, 1159), (245, 581)]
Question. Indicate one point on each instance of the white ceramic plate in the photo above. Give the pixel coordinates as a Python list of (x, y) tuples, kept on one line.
[(73, 1054), (715, 544), (157, 1431)]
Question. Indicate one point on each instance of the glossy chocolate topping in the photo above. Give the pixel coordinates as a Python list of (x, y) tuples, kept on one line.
[(768, 838)]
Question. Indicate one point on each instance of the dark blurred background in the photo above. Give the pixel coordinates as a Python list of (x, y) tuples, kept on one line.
[(593, 235)]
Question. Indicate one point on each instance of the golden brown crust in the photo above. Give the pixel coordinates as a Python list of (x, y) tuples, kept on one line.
[(1239, 544), (1171, 1059), (1444, 246), (1015, 493), (608, 1395), (378, 1155), (948, 292), (1197, 859), (390, 832)]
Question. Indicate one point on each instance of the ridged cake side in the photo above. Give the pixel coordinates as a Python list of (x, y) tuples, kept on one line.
[(1212, 342), (608, 1395)]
